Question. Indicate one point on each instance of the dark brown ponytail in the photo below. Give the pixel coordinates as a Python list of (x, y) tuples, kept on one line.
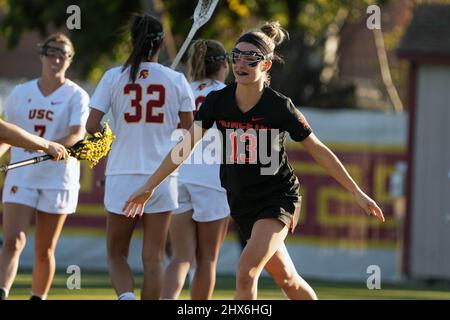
[(146, 38)]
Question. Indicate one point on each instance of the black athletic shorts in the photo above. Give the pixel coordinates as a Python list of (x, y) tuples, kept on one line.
[(285, 210)]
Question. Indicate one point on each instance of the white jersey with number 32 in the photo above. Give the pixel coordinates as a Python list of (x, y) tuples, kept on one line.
[(145, 115)]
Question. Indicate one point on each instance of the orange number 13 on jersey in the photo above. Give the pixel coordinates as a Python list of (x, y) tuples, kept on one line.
[(151, 104)]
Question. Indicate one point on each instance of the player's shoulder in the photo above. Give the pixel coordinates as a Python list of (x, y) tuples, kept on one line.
[(199, 85), (220, 98), (205, 86), (75, 93), (215, 85), (168, 73), (278, 101), (207, 83), (25, 86), (224, 90), (219, 85), (165, 69), (214, 95), (114, 76), (114, 73), (277, 96), (75, 88)]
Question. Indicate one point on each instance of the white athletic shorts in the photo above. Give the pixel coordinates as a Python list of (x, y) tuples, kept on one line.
[(208, 204), (118, 188), (54, 201)]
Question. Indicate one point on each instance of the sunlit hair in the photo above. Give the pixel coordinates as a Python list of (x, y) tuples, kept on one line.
[(58, 38), (205, 59)]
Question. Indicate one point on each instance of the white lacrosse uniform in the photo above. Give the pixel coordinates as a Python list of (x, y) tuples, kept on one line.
[(49, 186), (145, 115), (199, 187)]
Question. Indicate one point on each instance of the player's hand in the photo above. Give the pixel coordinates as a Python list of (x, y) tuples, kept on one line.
[(135, 204), (57, 151), (369, 206)]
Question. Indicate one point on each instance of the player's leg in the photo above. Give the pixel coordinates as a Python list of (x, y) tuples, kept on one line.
[(119, 230), (283, 271), (266, 238), (48, 229), (156, 227), (182, 235), (52, 208), (183, 239), (211, 212), (16, 221), (156, 221), (210, 236)]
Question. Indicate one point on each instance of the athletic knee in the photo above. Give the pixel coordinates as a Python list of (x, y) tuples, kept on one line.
[(183, 259), (207, 256), (150, 258), (246, 277), (114, 253), (285, 279), (14, 245), (44, 254), (286, 283)]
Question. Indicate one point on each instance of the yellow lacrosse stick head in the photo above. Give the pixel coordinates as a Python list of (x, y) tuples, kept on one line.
[(95, 147)]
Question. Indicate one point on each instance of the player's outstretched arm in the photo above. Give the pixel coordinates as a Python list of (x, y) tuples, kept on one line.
[(93, 123), (76, 133), (186, 119), (136, 203), (333, 166), (16, 136), (4, 147)]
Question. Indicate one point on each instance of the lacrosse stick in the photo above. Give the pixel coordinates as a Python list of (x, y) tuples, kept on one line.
[(202, 13), (91, 149)]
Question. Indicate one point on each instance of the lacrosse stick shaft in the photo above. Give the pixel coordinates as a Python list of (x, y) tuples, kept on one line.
[(7, 167), (184, 47), (23, 163), (202, 14), (78, 150)]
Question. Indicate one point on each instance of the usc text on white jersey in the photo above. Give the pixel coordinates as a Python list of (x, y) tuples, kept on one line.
[(49, 117)]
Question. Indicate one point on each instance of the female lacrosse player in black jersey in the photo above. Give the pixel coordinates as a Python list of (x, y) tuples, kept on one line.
[(263, 195)]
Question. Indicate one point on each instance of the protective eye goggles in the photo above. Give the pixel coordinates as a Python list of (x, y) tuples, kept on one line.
[(53, 52), (250, 58)]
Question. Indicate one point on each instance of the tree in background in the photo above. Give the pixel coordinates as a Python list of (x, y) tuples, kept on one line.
[(308, 75), (98, 43)]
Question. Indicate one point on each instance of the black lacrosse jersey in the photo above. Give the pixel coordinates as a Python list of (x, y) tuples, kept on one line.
[(255, 170)]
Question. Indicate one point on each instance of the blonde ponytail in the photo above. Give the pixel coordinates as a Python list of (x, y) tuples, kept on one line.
[(274, 31), (206, 58)]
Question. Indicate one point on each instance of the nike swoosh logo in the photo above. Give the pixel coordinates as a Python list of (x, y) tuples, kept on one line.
[(55, 102), (257, 118)]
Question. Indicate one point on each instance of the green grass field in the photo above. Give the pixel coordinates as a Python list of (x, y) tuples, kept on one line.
[(96, 286)]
